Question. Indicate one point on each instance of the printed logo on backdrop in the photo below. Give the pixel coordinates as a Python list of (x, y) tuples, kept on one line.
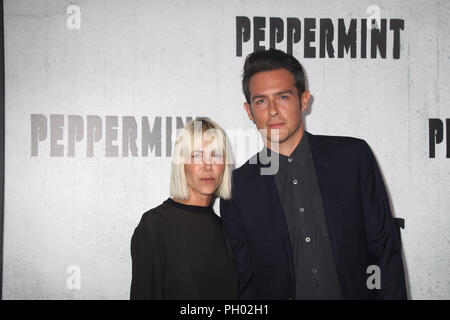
[(59, 135), (436, 137), (369, 37)]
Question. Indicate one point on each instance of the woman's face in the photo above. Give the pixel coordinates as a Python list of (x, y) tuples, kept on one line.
[(204, 171)]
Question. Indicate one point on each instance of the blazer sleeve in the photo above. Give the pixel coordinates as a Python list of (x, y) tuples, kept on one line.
[(147, 264), (382, 233), (237, 237)]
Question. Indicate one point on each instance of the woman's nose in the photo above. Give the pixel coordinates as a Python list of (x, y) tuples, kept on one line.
[(207, 163)]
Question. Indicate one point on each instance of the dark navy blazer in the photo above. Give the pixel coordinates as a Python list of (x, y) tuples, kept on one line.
[(360, 225)]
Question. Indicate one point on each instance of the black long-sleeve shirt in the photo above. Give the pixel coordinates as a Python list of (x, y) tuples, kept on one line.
[(180, 252), (314, 264)]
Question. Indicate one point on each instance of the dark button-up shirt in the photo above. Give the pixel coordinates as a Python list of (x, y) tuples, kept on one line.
[(298, 188)]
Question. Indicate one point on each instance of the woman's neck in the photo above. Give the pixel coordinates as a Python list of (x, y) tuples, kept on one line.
[(202, 201)]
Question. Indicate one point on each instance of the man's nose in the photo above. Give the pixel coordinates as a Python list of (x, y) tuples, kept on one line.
[(273, 108)]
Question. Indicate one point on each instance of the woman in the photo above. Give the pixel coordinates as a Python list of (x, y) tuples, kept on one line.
[(178, 249)]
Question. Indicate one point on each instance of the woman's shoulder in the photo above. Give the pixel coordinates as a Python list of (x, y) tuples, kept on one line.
[(153, 216)]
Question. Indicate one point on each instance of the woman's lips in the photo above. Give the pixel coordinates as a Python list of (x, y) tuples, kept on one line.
[(207, 180)]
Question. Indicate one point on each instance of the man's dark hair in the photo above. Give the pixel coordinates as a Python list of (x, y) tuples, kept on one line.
[(269, 60)]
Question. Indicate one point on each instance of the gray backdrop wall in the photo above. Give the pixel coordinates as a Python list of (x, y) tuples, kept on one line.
[(95, 91)]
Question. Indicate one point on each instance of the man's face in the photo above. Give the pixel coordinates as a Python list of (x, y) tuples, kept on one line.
[(275, 104)]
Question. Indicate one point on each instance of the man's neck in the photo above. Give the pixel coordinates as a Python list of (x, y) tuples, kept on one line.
[(287, 147)]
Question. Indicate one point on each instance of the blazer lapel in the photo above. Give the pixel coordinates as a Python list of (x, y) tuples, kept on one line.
[(324, 171), (274, 209)]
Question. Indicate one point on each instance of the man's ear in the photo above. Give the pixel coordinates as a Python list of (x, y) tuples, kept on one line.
[(304, 99), (248, 109)]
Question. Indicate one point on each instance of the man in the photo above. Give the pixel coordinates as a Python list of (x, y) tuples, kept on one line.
[(321, 226)]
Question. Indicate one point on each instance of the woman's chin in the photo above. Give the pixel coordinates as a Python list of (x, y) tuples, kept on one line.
[(208, 191)]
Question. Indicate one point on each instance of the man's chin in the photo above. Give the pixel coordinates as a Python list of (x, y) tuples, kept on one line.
[(276, 141), (279, 136)]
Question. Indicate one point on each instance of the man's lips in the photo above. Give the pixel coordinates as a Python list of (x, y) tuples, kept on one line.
[(275, 125)]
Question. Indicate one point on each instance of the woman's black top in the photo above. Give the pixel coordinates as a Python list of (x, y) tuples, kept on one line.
[(179, 251)]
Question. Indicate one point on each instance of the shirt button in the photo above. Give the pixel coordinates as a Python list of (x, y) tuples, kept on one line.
[(301, 210), (290, 160), (314, 270), (295, 181), (307, 239)]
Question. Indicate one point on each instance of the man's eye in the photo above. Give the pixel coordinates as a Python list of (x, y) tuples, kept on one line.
[(259, 101), (283, 97)]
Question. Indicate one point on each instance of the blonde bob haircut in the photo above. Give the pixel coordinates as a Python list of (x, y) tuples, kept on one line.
[(191, 138)]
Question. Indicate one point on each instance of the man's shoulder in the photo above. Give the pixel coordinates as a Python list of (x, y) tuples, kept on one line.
[(344, 145), (247, 170), (336, 143), (334, 139)]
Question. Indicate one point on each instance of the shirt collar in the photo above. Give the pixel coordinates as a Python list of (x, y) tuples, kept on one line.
[(298, 155)]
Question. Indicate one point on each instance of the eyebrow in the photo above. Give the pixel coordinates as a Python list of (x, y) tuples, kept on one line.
[(277, 93), (283, 92), (257, 97)]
